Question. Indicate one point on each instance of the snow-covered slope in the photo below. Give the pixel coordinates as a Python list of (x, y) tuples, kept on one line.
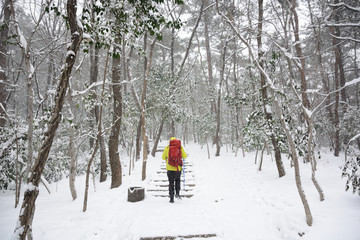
[(231, 199)]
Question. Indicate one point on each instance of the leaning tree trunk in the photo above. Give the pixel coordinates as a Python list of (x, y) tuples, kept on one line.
[(30, 195), (301, 192), (156, 142), (115, 165)]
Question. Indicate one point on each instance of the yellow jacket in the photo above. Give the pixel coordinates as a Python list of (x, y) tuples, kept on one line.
[(165, 156)]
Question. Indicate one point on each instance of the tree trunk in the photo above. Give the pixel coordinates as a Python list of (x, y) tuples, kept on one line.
[(172, 128), (337, 97), (262, 157), (238, 112), (18, 179), (103, 164), (143, 123), (138, 104), (295, 159), (72, 173), (323, 75), (218, 112), (209, 63), (3, 60), (24, 45), (115, 164), (98, 114), (338, 54), (32, 191), (158, 137), (138, 139), (86, 194), (311, 153), (98, 138), (264, 95), (94, 66), (94, 71), (300, 55), (30, 116), (356, 61)]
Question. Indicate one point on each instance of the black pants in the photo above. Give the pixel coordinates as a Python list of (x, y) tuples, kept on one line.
[(174, 181)]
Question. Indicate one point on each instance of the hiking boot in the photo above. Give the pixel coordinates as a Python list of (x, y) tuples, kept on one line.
[(178, 196), (171, 200)]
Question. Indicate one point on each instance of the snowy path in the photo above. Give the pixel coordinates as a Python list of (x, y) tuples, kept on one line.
[(230, 199)]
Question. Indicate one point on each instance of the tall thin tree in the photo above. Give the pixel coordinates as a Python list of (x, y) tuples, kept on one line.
[(4, 31), (264, 94), (31, 193)]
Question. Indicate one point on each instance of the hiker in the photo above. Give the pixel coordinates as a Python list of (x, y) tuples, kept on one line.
[(173, 154)]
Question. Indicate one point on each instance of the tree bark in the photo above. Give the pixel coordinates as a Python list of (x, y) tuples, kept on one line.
[(337, 98), (115, 164), (338, 53), (218, 112), (300, 55), (18, 180), (86, 194), (72, 172), (32, 191), (138, 139), (3, 60)]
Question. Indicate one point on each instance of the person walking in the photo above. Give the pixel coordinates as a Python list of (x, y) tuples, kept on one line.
[(173, 155)]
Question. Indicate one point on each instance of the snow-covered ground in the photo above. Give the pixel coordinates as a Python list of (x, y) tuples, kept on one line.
[(232, 199)]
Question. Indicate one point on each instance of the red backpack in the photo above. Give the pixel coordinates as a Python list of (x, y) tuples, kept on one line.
[(175, 156)]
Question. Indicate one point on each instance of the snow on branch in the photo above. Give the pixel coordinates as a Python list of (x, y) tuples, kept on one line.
[(355, 137), (288, 55), (346, 24), (85, 91), (342, 4), (346, 38), (352, 82), (163, 46)]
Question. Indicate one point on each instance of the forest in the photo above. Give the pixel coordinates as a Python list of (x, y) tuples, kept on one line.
[(83, 81)]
